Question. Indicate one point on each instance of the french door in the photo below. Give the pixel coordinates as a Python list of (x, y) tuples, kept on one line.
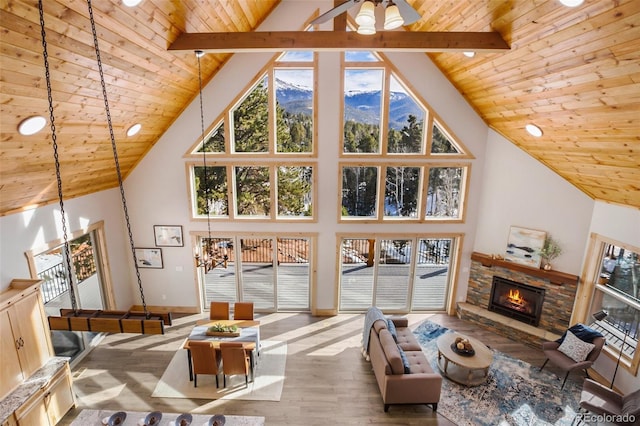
[(273, 272), (86, 286), (398, 274)]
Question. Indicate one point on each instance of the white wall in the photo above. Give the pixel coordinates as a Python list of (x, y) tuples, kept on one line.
[(518, 190), (32, 229)]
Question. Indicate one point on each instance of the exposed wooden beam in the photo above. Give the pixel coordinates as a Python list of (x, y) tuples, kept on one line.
[(383, 41)]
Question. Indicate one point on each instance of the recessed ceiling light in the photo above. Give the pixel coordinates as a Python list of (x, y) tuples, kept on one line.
[(32, 125), (134, 129), (534, 130), (131, 3), (469, 54), (571, 3)]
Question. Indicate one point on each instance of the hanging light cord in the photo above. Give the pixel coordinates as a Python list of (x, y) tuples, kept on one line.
[(115, 157), (204, 157), (54, 138)]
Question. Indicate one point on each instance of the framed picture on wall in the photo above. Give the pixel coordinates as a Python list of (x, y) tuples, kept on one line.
[(168, 235), (524, 246), (149, 258)]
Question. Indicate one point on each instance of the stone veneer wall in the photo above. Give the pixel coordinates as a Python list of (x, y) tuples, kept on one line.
[(558, 299)]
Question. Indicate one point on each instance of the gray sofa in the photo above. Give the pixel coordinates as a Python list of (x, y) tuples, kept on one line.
[(402, 371)]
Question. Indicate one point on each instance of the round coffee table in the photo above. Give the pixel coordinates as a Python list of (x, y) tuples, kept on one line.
[(466, 370)]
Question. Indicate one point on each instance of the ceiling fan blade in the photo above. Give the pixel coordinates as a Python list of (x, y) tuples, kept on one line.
[(332, 13), (408, 13)]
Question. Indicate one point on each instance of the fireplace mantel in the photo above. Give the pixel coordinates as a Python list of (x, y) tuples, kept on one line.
[(554, 277)]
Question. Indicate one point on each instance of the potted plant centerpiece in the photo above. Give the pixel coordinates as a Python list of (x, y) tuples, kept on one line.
[(550, 250), (223, 330)]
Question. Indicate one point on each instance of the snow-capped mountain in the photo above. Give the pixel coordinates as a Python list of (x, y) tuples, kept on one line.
[(360, 106)]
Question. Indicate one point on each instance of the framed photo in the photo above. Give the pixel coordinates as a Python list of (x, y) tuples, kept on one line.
[(524, 246), (149, 258), (168, 235)]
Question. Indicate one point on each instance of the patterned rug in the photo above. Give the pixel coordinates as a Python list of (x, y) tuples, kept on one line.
[(516, 393)]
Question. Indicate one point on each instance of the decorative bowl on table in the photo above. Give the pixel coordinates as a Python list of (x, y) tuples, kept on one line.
[(462, 347)]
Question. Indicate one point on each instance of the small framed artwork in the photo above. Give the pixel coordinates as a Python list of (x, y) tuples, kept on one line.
[(524, 246), (149, 258), (168, 235)]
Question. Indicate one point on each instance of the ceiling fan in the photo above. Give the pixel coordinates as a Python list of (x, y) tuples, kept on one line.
[(397, 13)]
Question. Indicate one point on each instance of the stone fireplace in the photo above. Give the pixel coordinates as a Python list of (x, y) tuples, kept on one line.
[(546, 318)]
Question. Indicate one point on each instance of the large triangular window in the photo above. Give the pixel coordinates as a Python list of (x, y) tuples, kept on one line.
[(272, 117)]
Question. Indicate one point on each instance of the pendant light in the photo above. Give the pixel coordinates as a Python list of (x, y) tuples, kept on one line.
[(206, 261)]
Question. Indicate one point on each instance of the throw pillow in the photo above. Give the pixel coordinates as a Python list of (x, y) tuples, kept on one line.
[(405, 361), (575, 348), (583, 332), (392, 329)]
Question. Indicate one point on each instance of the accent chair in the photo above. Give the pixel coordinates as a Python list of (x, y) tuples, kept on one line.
[(567, 364), (235, 360), (205, 360), (600, 400)]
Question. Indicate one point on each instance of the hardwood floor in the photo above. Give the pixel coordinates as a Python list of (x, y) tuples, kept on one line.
[(327, 379)]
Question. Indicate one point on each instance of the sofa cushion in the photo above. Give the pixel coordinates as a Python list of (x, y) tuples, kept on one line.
[(405, 361), (391, 352), (407, 340), (392, 329), (574, 348), (418, 362)]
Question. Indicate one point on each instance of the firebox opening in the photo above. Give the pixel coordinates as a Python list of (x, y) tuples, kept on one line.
[(516, 300)]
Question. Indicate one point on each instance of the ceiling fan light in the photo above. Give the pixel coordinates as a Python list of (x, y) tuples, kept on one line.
[(366, 29), (366, 15), (469, 54), (392, 18)]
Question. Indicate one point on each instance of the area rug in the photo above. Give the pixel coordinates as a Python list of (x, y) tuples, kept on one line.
[(516, 393), (266, 385)]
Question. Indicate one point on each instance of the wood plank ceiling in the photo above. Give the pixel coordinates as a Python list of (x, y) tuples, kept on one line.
[(574, 72)]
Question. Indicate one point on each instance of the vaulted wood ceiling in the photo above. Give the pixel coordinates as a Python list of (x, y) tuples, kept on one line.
[(575, 72)]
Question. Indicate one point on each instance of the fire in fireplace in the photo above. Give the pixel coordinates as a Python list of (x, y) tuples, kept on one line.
[(516, 300)]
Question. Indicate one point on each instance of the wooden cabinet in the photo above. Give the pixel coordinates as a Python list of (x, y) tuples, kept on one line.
[(47, 406), (25, 335), (25, 345)]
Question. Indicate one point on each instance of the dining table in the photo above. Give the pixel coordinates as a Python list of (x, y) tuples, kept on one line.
[(248, 333)]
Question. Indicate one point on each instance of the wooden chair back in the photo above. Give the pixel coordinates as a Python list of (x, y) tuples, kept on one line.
[(205, 359), (219, 311), (235, 360), (243, 311)]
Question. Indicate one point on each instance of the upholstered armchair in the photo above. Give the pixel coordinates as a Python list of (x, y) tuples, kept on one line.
[(205, 359), (235, 360), (219, 311), (600, 400), (567, 364)]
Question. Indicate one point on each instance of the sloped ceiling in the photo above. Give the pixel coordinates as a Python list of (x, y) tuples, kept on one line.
[(574, 72)]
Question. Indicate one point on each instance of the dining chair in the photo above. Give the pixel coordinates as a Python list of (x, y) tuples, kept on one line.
[(243, 311), (235, 360), (219, 311), (205, 359)]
